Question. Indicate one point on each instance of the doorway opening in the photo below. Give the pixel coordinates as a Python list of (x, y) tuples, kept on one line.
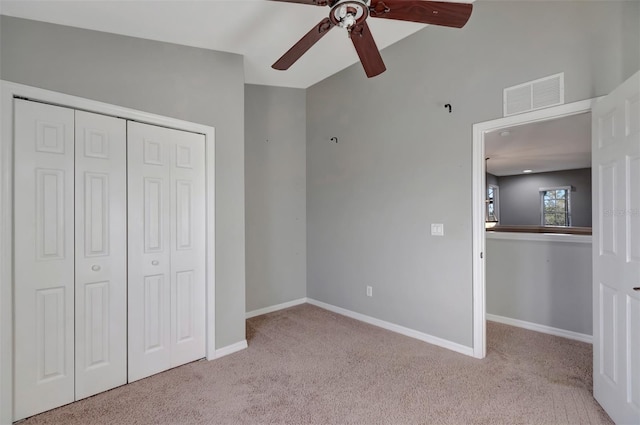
[(480, 132)]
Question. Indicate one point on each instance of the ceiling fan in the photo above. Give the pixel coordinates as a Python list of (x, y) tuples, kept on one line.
[(352, 15)]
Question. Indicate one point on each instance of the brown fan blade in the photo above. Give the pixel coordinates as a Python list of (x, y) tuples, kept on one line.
[(426, 12), (304, 44), (367, 50), (311, 2)]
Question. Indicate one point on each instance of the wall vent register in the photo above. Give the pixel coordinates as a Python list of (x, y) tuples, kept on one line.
[(533, 95)]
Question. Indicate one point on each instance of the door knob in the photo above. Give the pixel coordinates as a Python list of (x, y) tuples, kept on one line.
[(155, 262), (637, 288), (95, 268)]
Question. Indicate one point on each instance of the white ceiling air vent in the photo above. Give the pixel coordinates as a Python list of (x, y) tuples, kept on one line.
[(536, 94)]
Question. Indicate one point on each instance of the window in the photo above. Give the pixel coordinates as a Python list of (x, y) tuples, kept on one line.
[(492, 203), (556, 206)]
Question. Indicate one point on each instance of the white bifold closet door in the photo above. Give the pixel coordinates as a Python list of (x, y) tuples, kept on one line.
[(101, 253), (166, 274), (69, 290)]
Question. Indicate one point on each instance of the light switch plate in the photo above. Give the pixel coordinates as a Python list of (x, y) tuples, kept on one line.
[(437, 229)]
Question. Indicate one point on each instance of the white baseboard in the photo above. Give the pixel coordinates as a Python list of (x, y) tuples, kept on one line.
[(230, 349), (395, 328), (541, 328), (261, 311)]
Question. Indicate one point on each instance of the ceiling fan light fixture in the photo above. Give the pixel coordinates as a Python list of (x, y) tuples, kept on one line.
[(348, 21), (347, 13), (352, 15)]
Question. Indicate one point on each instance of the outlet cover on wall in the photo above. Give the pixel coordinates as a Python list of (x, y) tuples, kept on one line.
[(437, 229), (369, 291)]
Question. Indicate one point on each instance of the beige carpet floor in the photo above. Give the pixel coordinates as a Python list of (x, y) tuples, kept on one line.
[(305, 365)]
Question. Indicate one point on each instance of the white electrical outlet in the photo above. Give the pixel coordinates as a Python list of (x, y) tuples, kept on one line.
[(369, 291)]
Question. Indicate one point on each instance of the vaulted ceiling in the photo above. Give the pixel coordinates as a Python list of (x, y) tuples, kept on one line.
[(260, 30)]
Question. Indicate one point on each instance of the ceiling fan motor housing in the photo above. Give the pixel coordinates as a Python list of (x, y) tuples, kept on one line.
[(348, 13)]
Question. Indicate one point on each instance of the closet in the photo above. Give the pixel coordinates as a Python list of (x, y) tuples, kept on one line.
[(109, 253)]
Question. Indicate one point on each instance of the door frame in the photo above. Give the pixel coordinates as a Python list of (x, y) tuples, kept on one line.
[(9, 91), (478, 208)]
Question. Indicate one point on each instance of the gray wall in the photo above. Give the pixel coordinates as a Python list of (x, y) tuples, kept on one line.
[(520, 196), (403, 162), (491, 179), (275, 187), (630, 30), (192, 84), (546, 283)]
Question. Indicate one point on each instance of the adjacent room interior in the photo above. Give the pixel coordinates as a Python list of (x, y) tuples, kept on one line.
[(539, 221), (321, 222)]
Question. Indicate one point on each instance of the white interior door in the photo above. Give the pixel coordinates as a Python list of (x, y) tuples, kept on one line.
[(616, 252), (44, 258), (187, 246), (100, 253), (166, 248), (149, 253)]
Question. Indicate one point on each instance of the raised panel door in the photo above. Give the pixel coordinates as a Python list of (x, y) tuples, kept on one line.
[(187, 247), (149, 252), (44, 258), (166, 248), (100, 253), (616, 263)]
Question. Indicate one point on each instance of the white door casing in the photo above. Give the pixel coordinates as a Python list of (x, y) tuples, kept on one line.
[(616, 251), (166, 248), (100, 253), (44, 258)]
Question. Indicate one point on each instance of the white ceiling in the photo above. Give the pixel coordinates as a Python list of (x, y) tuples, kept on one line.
[(260, 30), (553, 145)]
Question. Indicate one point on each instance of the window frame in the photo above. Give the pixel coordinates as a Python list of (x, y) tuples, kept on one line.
[(495, 201), (567, 190)]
